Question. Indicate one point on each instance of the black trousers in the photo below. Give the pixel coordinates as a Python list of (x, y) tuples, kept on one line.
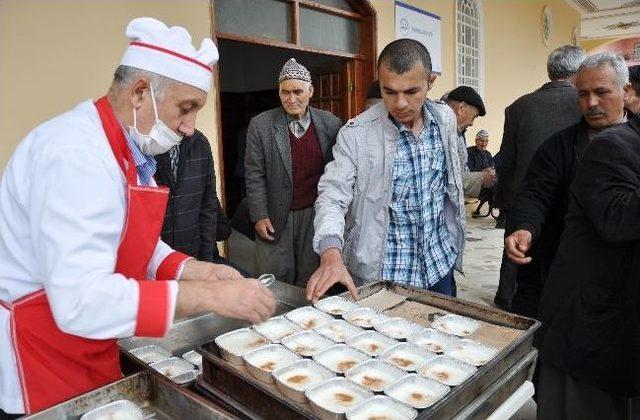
[(562, 397)]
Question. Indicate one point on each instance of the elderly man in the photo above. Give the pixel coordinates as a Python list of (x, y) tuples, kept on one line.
[(590, 336), (467, 105), (479, 159), (632, 103), (396, 178), (79, 229), (538, 217), (528, 122), (287, 149)]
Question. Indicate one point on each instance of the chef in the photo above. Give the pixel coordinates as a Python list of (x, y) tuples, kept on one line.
[(81, 262)]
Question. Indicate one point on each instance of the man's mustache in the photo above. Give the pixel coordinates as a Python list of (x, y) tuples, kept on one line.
[(594, 111)]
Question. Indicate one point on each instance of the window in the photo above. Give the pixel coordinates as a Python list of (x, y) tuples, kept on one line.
[(469, 63)]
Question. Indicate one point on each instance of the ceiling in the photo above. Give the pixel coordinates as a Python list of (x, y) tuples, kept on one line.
[(608, 18)]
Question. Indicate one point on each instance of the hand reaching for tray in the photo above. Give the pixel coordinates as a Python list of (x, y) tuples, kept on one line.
[(330, 272), (246, 299)]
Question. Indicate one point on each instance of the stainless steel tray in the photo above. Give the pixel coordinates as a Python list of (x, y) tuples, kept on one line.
[(155, 396), (187, 334), (260, 401)]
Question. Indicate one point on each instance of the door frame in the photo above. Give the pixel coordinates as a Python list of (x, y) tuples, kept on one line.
[(360, 75)]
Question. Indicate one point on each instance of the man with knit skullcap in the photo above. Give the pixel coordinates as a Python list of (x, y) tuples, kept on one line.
[(479, 159), (81, 260), (287, 149)]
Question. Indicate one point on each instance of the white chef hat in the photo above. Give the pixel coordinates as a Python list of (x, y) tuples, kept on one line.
[(169, 52)]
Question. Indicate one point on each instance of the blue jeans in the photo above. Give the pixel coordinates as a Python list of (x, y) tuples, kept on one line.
[(446, 285)]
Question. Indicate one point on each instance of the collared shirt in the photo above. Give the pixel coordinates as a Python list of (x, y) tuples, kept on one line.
[(419, 250), (299, 126), (145, 165)]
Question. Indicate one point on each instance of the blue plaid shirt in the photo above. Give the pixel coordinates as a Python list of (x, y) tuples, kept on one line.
[(419, 249), (145, 165)]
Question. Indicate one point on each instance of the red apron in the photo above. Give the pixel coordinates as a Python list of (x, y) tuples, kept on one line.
[(54, 366)]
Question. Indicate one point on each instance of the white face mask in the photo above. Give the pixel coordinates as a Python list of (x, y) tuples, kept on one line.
[(159, 140)]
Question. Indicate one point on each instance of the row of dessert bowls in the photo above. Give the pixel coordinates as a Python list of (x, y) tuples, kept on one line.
[(181, 370), (309, 354), (308, 331), (330, 395)]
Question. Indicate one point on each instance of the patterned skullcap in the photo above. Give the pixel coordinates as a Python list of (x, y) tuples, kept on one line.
[(294, 70), (482, 134)]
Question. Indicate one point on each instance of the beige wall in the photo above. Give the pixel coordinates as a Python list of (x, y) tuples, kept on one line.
[(515, 56), (443, 8), (55, 54)]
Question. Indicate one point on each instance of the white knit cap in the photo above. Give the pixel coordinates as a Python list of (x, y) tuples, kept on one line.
[(482, 134), (294, 70), (169, 52)]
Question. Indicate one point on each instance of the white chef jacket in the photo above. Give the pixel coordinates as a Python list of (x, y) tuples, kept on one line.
[(62, 212)]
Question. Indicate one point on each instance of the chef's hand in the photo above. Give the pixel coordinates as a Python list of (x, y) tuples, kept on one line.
[(516, 246), (202, 270), (247, 299), (330, 272), (264, 228), (225, 272)]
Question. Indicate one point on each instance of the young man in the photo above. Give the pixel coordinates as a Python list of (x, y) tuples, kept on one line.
[(390, 205)]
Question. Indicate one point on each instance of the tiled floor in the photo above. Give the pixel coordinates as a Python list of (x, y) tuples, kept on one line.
[(482, 256)]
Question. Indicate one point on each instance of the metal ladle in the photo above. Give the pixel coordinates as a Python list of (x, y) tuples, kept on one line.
[(267, 279)]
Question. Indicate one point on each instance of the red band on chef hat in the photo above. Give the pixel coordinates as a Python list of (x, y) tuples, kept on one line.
[(169, 52)]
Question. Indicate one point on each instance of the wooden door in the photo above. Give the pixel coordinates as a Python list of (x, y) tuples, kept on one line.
[(334, 88)]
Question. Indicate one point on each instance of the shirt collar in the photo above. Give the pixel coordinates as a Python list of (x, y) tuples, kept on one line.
[(305, 120), (426, 115), (140, 159)]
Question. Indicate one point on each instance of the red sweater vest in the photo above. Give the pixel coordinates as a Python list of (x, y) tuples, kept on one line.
[(307, 167)]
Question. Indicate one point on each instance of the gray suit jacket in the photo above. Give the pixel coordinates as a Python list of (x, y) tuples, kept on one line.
[(528, 122), (268, 162)]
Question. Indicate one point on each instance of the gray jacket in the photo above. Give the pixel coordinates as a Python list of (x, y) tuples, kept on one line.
[(268, 162), (356, 188)]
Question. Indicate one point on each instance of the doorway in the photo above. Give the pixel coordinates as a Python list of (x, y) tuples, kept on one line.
[(248, 80), (334, 39)]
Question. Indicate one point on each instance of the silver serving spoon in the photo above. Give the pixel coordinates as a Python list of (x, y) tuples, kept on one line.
[(267, 279)]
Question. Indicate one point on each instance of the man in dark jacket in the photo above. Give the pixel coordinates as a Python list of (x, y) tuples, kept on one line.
[(590, 339), (478, 159), (194, 220), (537, 219), (287, 150), (632, 104), (528, 122)]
